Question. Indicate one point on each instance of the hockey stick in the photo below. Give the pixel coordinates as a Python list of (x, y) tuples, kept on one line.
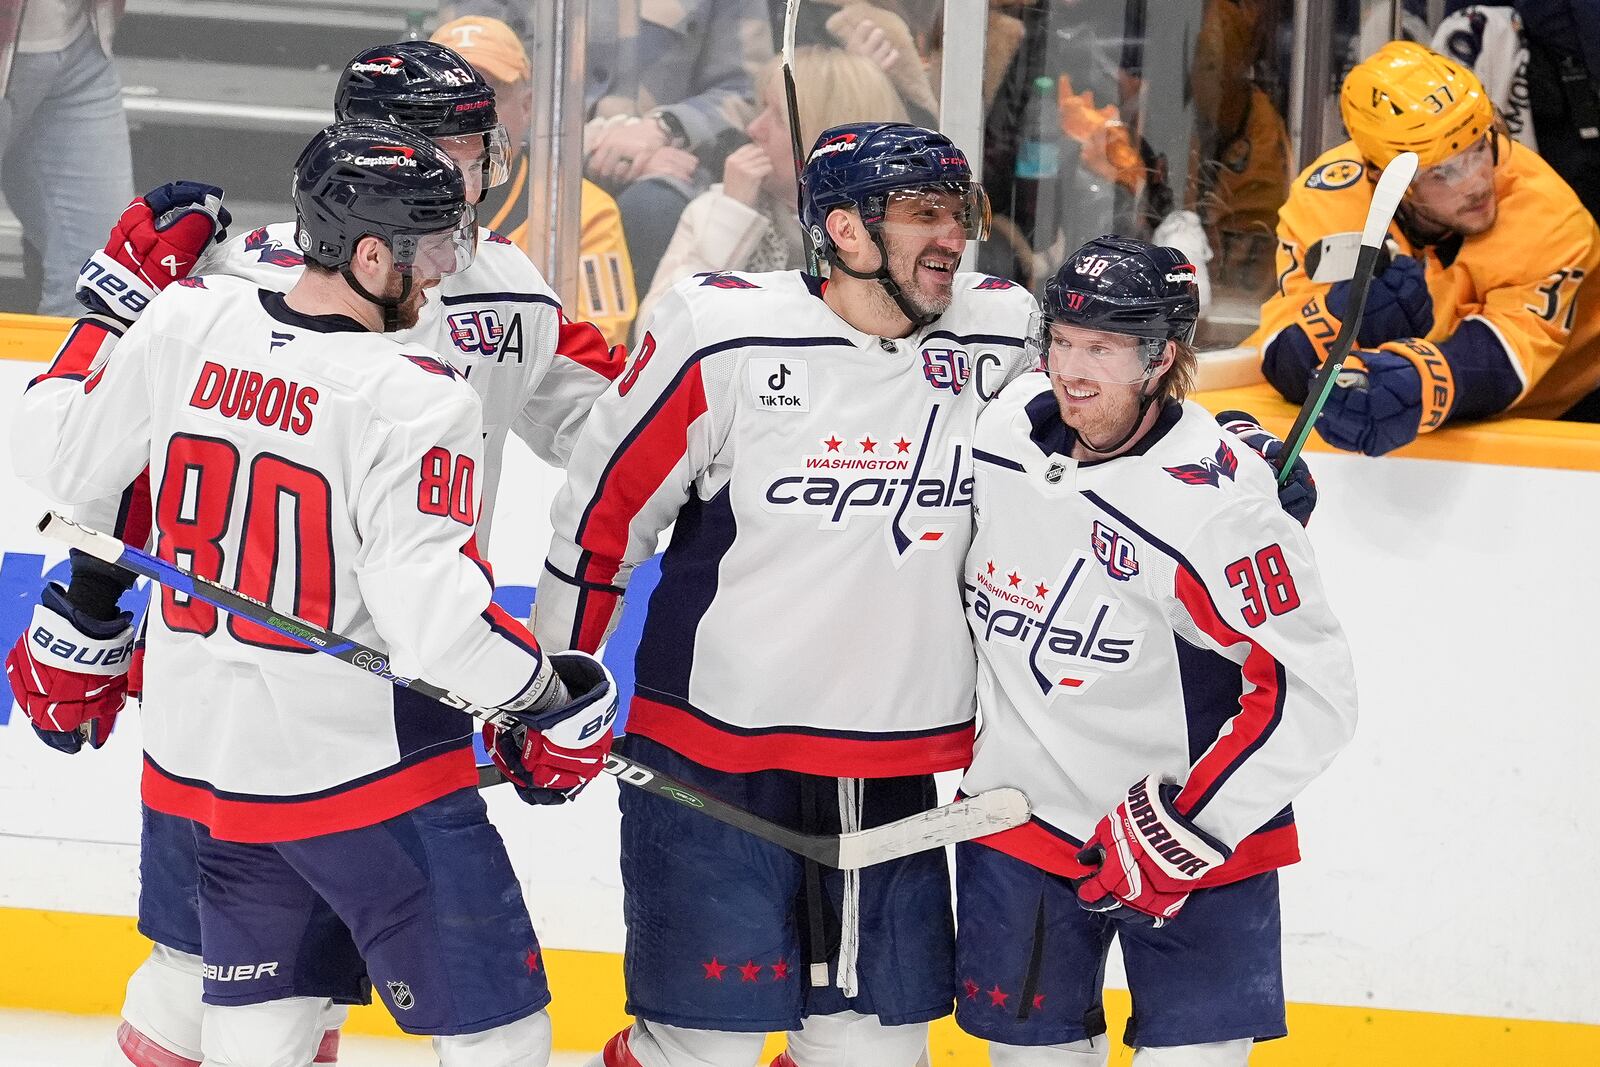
[(791, 12), (1392, 185), (976, 816)]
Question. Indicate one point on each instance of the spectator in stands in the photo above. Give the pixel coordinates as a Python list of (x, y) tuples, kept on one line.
[(878, 30), (1491, 303), (1563, 38), (606, 295), (669, 86), (68, 168), (748, 221)]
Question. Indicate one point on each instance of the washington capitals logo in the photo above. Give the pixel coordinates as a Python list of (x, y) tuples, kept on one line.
[(432, 365), (270, 251), (919, 498), (1207, 471), (498, 238), (1068, 649)]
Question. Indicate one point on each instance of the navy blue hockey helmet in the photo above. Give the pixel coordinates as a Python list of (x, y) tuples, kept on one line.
[(376, 179), (860, 164), (428, 88), (1122, 285)]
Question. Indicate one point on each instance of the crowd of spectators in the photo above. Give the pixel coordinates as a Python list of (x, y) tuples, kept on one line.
[(1099, 117)]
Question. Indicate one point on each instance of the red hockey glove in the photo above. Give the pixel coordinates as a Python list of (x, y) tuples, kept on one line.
[(158, 240), (69, 672), (1148, 858), (560, 751)]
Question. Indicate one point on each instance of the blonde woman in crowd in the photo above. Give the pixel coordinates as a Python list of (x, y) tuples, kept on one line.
[(747, 221)]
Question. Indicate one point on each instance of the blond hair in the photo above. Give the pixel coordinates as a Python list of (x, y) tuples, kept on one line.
[(834, 87), (1179, 379)]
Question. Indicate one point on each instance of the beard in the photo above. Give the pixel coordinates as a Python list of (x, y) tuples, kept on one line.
[(1104, 421), (408, 313), (920, 287)]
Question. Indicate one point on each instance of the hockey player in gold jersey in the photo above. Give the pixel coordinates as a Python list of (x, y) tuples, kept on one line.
[(1488, 303)]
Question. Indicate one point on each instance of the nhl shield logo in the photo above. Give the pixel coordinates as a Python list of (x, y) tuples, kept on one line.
[(400, 993)]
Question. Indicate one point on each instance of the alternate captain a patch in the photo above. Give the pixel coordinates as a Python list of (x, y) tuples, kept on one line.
[(1339, 174)]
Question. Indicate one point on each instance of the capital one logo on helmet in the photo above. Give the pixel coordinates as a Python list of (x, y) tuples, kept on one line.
[(924, 497), (844, 142), (379, 65), (402, 157), (1065, 652)]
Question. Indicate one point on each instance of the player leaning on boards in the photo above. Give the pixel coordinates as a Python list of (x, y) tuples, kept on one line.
[(1145, 614), (1490, 304), (497, 322), (336, 818), (812, 442)]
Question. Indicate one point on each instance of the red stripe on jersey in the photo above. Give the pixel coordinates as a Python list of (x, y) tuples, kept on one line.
[(636, 474), (143, 1052), (133, 519), (78, 351), (1259, 708), (584, 344), (1036, 846), (595, 608), (807, 753), (267, 820)]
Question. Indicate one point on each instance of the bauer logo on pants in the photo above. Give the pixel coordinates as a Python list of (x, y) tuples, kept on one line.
[(780, 384)]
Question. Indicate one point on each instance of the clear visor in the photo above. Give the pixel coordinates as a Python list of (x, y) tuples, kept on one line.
[(434, 255), (1472, 164), (486, 154), (1071, 353), (937, 212)]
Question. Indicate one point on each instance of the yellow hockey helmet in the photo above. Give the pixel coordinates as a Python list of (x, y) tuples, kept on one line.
[(1405, 98)]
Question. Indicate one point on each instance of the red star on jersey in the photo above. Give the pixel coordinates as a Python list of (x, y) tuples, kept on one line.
[(531, 960), (971, 988), (868, 444), (714, 970), (750, 971), (902, 445), (1014, 578), (780, 970), (1041, 589), (991, 566), (997, 998), (833, 443), (1038, 1001)]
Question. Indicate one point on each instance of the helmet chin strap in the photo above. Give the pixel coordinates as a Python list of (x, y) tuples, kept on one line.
[(390, 308), (918, 319)]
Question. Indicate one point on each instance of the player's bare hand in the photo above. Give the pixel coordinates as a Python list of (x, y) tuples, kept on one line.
[(867, 39), (746, 169)]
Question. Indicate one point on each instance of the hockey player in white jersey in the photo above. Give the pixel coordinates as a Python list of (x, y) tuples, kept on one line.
[(812, 443), (496, 322), (299, 456), (1159, 671)]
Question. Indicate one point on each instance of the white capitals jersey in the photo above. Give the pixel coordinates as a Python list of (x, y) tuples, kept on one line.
[(497, 322), (1155, 613), (809, 612), (330, 472)]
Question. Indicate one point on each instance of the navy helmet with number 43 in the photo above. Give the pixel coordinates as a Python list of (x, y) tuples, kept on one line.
[(426, 87)]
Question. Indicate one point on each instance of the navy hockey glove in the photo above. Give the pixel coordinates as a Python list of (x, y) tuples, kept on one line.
[(1378, 402), (158, 240), (69, 672), (1297, 496), (1398, 304), (1146, 858), (560, 751)]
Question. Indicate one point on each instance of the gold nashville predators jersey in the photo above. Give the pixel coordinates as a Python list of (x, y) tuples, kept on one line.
[(1530, 279)]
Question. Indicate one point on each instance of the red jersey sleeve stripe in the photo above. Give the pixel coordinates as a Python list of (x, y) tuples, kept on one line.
[(1260, 708), (634, 474), (76, 354), (584, 344), (133, 514)]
